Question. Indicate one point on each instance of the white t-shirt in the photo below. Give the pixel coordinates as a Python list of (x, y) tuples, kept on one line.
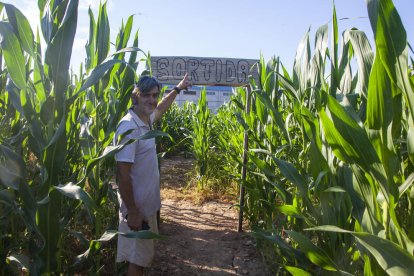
[(144, 172)]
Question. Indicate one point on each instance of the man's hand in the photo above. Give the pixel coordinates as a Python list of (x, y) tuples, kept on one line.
[(135, 220), (184, 83), (168, 100)]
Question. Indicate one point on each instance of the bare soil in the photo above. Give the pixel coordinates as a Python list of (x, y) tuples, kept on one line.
[(202, 238)]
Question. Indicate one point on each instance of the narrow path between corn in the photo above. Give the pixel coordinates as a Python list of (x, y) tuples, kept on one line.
[(201, 238)]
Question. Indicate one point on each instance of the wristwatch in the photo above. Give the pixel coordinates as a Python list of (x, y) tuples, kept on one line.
[(177, 89)]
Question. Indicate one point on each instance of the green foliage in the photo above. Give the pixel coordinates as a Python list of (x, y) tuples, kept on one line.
[(201, 139), (331, 151), (177, 122), (55, 155), (344, 158)]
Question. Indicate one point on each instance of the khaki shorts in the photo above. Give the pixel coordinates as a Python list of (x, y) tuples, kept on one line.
[(137, 251)]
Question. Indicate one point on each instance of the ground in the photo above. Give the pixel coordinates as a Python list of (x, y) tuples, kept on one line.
[(202, 238)]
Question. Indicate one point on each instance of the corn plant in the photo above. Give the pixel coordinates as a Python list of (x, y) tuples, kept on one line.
[(226, 149), (61, 126), (351, 177), (201, 139), (41, 96), (177, 122)]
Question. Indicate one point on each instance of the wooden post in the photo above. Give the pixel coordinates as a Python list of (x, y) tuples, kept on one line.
[(244, 168)]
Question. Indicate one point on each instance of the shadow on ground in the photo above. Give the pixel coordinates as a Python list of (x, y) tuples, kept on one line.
[(200, 239)]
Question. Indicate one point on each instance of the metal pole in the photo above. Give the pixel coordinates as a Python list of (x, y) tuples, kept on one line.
[(244, 168)]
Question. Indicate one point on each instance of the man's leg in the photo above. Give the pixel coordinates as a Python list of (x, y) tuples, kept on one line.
[(136, 251), (135, 270)]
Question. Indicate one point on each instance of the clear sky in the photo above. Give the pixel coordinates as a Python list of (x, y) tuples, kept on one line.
[(223, 28)]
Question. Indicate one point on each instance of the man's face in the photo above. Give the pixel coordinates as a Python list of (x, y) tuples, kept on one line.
[(148, 102)]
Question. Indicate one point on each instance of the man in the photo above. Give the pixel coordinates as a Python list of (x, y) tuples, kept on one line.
[(137, 171)]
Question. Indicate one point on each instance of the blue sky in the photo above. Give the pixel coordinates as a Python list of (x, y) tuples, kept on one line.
[(223, 28)]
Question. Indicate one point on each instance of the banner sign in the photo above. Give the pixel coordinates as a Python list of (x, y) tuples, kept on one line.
[(204, 70)]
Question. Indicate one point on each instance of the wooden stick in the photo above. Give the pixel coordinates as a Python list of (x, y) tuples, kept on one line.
[(244, 168)]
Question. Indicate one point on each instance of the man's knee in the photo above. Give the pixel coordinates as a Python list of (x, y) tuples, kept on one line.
[(135, 270)]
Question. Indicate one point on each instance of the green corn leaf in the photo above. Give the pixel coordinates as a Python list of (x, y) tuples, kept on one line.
[(342, 149), (121, 42), (261, 111), (128, 77), (127, 32), (312, 130), (316, 72), (90, 46), (286, 248), (361, 149), (59, 52), (392, 258), (318, 180), (335, 189), (262, 165), (407, 184), (21, 27), (107, 236), (390, 37), (241, 121), (276, 116), (334, 58), (315, 254), (271, 82), (350, 142), (94, 245), (60, 132), (47, 21), (293, 211), (290, 210), (144, 234), (110, 151), (267, 173), (13, 174), (128, 50), (46, 110), (344, 70), (289, 87), (410, 142), (10, 175), (13, 55), (365, 58), (98, 72), (358, 191), (123, 37), (12, 168), (41, 86), (321, 42), (103, 34), (379, 98), (153, 134), (296, 271), (301, 63), (292, 174), (391, 45), (14, 94), (22, 261), (73, 191), (54, 155)]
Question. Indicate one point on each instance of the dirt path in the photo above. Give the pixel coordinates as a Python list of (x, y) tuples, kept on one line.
[(201, 239)]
